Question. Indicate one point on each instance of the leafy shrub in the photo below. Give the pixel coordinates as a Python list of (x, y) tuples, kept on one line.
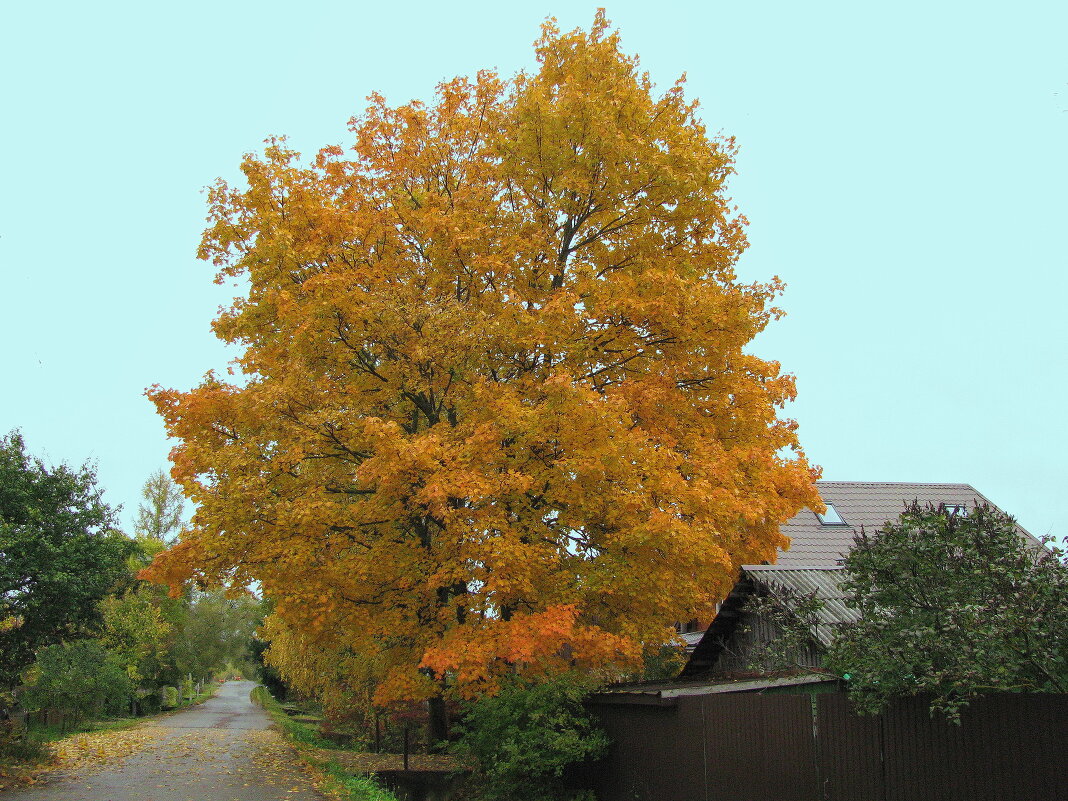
[(17, 744), (80, 678), (168, 697), (148, 701), (525, 739)]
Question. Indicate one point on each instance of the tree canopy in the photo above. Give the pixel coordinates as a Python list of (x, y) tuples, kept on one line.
[(953, 604), (59, 555), (494, 410)]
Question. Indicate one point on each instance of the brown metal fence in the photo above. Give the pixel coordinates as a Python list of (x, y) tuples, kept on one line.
[(750, 747)]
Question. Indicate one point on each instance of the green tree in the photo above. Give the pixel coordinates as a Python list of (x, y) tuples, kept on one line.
[(80, 678), (59, 555), (214, 631), (137, 633), (159, 516), (953, 603)]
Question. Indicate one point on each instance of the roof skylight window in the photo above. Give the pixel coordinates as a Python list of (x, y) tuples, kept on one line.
[(830, 517), (956, 509)]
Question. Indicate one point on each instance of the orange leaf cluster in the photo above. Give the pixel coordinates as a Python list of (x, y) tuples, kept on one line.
[(495, 406)]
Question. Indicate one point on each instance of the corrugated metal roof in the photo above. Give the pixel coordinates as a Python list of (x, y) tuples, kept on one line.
[(867, 504), (680, 687), (824, 582), (691, 638)]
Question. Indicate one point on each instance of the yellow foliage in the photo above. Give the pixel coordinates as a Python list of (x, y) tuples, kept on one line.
[(343, 680), (496, 411)]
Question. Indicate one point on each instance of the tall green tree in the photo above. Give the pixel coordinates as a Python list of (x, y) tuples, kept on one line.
[(159, 515), (59, 554), (953, 604)]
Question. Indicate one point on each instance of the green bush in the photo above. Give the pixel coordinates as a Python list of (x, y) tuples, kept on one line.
[(148, 701), (952, 604), (168, 697), (79, 678), (18, 745), (525, 739)]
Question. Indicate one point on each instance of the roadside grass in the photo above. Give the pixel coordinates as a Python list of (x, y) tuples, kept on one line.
[(210, 690), (336, 779), (296, 731), (52, 734), (355, 788)]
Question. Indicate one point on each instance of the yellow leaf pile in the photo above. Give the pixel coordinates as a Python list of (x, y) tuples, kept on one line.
[(84, 753)]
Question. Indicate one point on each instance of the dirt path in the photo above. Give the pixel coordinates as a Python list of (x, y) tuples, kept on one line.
[(221, 750)]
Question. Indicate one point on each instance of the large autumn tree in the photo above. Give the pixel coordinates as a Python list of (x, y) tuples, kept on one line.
[(495, 411)]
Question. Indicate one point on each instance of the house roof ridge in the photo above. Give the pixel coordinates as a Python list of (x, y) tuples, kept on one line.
[(792, 567), (825, 482)]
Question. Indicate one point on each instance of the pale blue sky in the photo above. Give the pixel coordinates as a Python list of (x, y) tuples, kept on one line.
[(903, 166)]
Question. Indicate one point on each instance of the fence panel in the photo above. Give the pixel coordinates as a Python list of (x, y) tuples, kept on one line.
[(1007, 748), (656, 753), (849, 752), (758, 746), (740, 747)]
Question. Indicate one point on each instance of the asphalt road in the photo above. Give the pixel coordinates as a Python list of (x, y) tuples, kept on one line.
[(221, 750)]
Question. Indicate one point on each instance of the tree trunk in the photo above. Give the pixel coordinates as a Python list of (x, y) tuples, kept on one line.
[(439, 724)]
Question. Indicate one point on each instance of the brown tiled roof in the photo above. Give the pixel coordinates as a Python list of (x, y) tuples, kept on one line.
[(861, 503)]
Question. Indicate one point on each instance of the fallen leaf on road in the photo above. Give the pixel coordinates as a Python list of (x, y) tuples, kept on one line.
[(94, 750)]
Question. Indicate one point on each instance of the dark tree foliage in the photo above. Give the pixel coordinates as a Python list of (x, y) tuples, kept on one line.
[(525, 739), (953, 605), (267, 675), (59, 555)]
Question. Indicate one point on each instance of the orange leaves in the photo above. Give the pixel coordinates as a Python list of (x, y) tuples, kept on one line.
[(498, 409), (173, 567), (543, 642)]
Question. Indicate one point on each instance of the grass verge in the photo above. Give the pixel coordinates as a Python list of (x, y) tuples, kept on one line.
[(211, 689), (52, 734), (336, 779)]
